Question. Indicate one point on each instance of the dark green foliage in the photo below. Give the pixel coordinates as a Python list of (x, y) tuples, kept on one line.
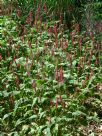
[(66, 10)]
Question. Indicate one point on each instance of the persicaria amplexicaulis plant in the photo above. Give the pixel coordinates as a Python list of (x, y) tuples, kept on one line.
[(48, 73)]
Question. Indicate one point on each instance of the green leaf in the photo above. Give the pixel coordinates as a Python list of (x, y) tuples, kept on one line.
[(33, 117), (56, 129), (77, 113), (42, 114), (25, 127), (67, 76), (19, 121), (74, 63), (47, 132), (34, 101), (6, 116)]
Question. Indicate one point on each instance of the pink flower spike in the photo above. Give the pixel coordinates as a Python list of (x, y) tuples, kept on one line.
[(57, 103), (60, 97), (14, 58), (61, 75), (0, 57), (65, 45)]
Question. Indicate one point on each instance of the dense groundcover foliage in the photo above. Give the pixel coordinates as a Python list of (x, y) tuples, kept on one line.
[(50, 80), (51, 76)]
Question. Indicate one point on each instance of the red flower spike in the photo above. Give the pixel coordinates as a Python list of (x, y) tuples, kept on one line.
[(22, 39), (89, 62), (97, 61), (30, 14), (10, 63), (91, 34), (28, 73), (24, 30), (61, 19), (60, 97), (38, 76), (77, 28), (65, 45), (50, 30), (86, 78), (17, 81), (78, 68), (61, 75), (56, 42), (51, 103), (45, 76), (29, 18), (18, 13), (18, 65), (53, 52), (91, 74), (0, 57), (63, 105), (72, 38), (34, 85), (55, 30), (26, 60), (42, 62), (57, 75), (97, 87), (29, 43), (18, 46), (80, 41), (45, 26), (10, 67), (57, 103), (8, 53), (14, 58), (45, 7), (91, 53)]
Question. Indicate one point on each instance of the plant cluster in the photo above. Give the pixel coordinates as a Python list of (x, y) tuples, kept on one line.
[(50, 79), (66, 10)]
